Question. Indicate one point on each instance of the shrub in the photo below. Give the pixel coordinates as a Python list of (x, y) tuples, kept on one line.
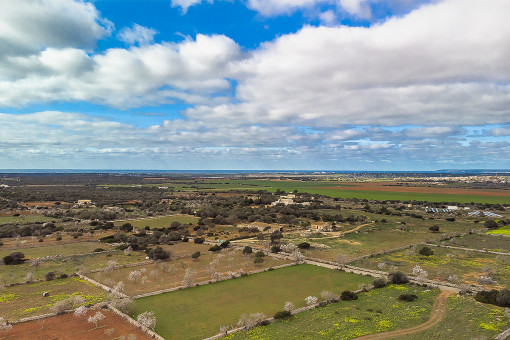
[(426, 251), (59, 238), (195, 255), (487, 296), (259, 254), (490, 224), (408, 297), (127, 227), (97, 250), (434, 229), (379, 283), (304, 245), (215, 248), (63, 276), (247, 250), (503, 298), (347, 295), (14, 258), (50, 276), (258, 260), (1, 243), (276, 249), (398, 277), (199, 240), (41, 240), (225, 244), (282, 315), (158, 254)]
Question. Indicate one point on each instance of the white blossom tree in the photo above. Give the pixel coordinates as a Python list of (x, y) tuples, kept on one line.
[(147, 319), (311, 300), (289, 306), (96, 318), (189, 277)]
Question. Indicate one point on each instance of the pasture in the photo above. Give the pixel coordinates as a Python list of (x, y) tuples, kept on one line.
[(27, 300), (376, 311), (467, 266), (199, 312)]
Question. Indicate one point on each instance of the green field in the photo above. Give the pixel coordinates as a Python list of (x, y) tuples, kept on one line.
[(27, 300), (468, 266), (159, 222), (466, 319), (67, 265), (376, 311), (323, 188), (64, 249), (24, 219), (497, 243), (199, 312)]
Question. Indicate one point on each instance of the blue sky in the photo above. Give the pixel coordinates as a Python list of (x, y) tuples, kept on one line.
[(255, 84)]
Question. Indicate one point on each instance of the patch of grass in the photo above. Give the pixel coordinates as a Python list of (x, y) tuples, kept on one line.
[(377, 311), (27, 300), (198, 312), (68, 265), (466, 265), (64, 249), (24, 219), (466, 319), (478, 241), (500, 231)]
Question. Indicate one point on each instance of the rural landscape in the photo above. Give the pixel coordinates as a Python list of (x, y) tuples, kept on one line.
[(254, 169), (254, 256)]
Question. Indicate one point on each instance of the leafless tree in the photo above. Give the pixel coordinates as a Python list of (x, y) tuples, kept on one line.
[(328, 296), (251, 320)]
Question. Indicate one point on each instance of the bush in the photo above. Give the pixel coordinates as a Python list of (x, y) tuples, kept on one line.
[(199, 240), (408, 297), (41, 240), (282, 315), (63, 276), (59, 238), (490, 224), (97, 250), (503, 298), (276, 249), (426, 251), (258, 260), (398, 277), (379, 283), (50, 276), (14, 258), (304, 245), (487, 296), (215, 248), (247, 250), (1, 243), (260, 254), (158, 254), (347, 295), (225, 244), (434, 229), (127, 227), (195, 255)]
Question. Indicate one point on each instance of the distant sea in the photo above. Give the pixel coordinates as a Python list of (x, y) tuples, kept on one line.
[(449, 172)]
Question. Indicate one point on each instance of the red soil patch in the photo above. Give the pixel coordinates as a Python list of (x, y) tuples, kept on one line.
[(70, 327), (393, 187)]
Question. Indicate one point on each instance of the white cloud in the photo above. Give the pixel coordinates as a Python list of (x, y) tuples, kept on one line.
[(277, 7), (328, 18), (29, 26), (502, 131), (137, 35), (441, 64), (186, 4), (359, 8), (191, 71)]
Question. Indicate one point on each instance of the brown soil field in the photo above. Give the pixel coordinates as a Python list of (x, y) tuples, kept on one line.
[(29, 241), (70, 327), (392, 187)]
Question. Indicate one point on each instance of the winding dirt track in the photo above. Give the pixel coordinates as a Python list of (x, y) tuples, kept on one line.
[(437, 314)]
